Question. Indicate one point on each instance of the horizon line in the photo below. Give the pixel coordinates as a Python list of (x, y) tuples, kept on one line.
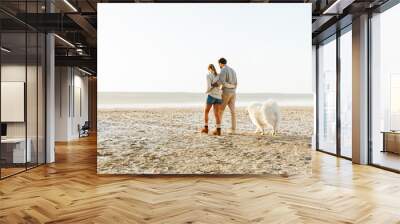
[(199, 92)]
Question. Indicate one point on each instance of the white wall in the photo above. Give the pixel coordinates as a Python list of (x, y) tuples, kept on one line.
[(14, 73), (33, 126), (70, 83), (62, 82)]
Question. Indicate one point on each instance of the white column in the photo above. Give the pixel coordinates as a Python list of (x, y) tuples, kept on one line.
[(63, 103), (50, 98), (360, 90)]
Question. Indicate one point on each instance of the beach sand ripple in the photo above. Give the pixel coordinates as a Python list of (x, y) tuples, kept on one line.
[(168, 141)]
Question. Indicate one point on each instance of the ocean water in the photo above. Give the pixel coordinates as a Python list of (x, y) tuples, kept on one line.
[(117, 100)]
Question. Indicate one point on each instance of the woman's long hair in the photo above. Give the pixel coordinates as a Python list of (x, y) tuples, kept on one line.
[(212, 68)]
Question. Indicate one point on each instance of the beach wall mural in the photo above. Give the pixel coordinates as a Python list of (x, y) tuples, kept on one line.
[(205, 89)]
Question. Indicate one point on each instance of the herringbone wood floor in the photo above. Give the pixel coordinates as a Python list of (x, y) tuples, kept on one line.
[(69, 191)]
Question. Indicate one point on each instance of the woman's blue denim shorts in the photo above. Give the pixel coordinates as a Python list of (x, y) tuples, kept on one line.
[(213, 100)]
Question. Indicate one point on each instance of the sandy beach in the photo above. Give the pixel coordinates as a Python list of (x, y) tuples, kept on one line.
[(168, 141)]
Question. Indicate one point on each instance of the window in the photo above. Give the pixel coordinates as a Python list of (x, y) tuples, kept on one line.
[(22, 87), (395, 102), (385, 89), (327, 96), (346, 75)]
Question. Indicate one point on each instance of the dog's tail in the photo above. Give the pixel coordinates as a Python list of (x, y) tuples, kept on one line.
[(253, 110)]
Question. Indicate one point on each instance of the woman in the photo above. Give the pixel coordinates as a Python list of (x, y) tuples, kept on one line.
[(214, 99)]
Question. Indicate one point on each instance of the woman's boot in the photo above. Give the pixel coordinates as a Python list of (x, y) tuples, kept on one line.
[(205, 129)]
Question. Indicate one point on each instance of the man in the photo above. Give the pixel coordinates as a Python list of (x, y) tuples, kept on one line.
[(229, 83)]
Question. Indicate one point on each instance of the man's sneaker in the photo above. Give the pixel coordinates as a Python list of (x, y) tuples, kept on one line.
[(205, 130)]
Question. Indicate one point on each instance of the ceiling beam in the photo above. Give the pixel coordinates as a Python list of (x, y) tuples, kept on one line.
[(338, 6), (86, 26), (81, 61)]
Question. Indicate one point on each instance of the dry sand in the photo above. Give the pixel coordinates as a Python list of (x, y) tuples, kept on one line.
[(167, 141)]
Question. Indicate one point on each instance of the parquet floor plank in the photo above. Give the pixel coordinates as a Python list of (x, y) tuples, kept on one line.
[(70, 191)]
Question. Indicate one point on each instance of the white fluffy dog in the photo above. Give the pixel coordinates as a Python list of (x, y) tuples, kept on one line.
[(264, 115)]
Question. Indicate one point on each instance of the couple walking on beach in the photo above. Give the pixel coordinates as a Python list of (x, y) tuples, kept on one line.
[(221, 92)]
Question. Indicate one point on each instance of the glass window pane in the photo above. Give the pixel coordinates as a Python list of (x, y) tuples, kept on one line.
[(23, 87), (346, 94), (14, 153), (385, 82), (327, 97)]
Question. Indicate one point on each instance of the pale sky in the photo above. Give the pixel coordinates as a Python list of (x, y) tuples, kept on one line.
[(167, 47)]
